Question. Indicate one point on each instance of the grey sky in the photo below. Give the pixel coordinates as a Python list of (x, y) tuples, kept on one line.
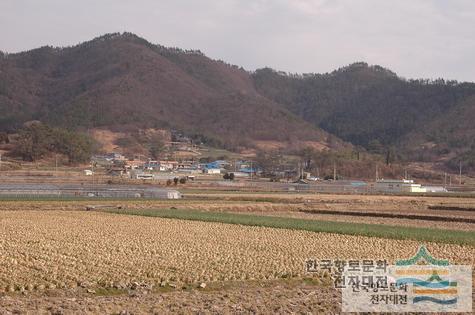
[(415, 38)]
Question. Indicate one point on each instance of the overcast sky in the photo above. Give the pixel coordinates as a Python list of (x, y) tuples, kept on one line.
[(415, 38)]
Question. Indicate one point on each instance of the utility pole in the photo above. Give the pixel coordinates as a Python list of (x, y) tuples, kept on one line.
[(251, 170), (334, 171), (92, 169), (56, 163), (377, 172), (445, 180), (460, 173)]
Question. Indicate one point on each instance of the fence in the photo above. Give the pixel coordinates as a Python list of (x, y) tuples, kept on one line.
[(82, 191)]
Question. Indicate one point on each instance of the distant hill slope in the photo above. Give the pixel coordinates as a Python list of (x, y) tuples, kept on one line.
[(368, 105), (361, 103), (122, 81)]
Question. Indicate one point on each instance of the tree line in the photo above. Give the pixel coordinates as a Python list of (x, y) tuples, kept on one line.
[(36, 141)]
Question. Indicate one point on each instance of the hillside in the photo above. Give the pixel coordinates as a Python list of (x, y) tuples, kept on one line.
[(373, 107), (122, 82)]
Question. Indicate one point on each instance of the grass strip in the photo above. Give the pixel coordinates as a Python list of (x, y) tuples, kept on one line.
[(371, 230)]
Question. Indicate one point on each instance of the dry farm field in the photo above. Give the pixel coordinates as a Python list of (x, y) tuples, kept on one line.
[(52, 251)]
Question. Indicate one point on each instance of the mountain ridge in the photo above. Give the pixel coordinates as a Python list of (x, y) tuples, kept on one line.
[(124, 81)]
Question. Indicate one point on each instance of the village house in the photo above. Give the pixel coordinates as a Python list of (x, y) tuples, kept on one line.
[(134, 164), (116, 171), (152, 165), (217, 164), (185, 165), (114, 156), (249, 170), (168, 165)]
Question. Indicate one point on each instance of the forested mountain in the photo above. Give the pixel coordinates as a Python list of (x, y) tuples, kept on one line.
[(121, 81), (371, 106), (362, 103)]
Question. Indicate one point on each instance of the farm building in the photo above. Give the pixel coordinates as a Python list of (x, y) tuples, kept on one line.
[(398, 186)]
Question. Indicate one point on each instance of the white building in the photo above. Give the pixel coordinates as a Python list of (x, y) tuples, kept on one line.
[(143, 176), (398, 186), (137, 174), (435, 189), (240, 174), (88, 172), (212, 171)]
